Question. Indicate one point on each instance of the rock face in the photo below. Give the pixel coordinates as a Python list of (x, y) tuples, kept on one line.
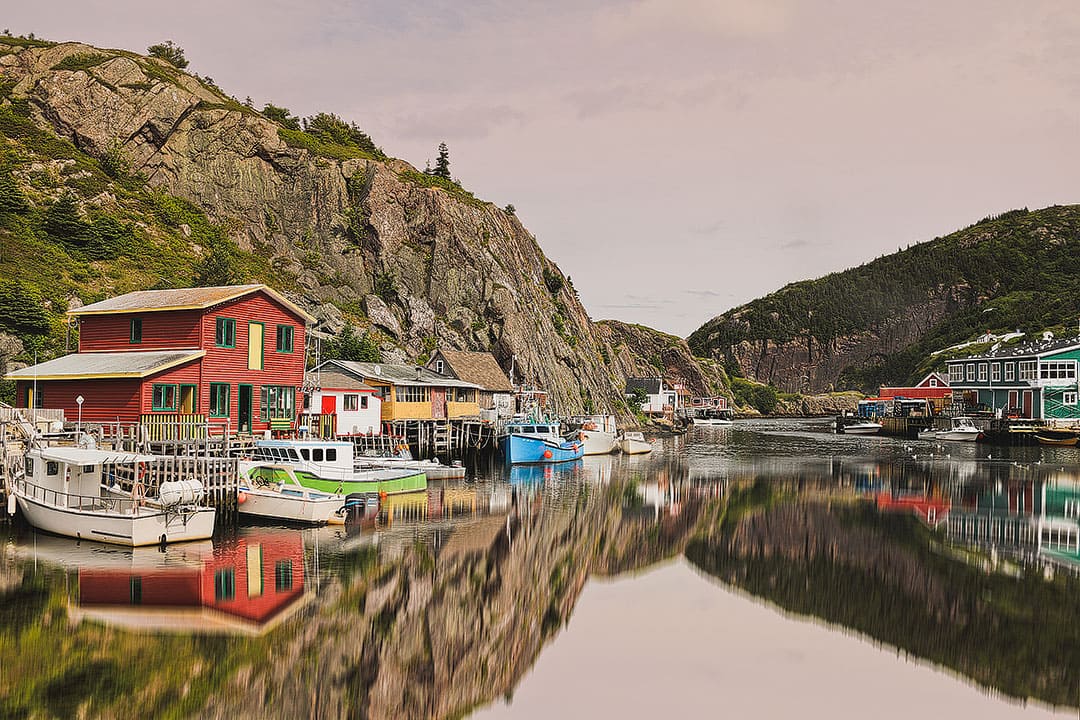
[(427, 267)]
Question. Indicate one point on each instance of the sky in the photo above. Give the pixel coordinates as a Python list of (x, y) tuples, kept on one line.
[(675, 157)]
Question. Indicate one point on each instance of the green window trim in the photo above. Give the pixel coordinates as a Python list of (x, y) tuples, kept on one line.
[(286, 334), (162, 404), (219, 400), (225, 332), (135, 331)]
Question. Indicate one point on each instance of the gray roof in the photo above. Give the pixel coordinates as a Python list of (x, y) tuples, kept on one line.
[(1029, 349), (651, 386), (331, 378), (106, 365), (398, 374), (198, 298)]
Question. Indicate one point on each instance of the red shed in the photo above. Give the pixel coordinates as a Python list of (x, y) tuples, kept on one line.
[(234, 354), (933, 387)]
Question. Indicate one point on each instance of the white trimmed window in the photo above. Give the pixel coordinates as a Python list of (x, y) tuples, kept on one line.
[(982, 372), (1068, 398), (1058, 370), (1010, 372), (971, 372), (351, 402), (1029, 370), (956, 373), (995, 372)]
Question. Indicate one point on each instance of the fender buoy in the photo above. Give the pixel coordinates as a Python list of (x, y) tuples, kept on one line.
[(241, 498), (581, 436), (382, 495), (547, 454)]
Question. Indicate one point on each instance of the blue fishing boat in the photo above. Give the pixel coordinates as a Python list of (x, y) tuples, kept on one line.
[(539, 442)]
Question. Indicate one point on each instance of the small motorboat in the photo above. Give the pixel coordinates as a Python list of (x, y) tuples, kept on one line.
[(961, 430), (1056, 437), (539, 442), (633, 443), (930, 434), (714, 417), (862, 428), (274, 492)]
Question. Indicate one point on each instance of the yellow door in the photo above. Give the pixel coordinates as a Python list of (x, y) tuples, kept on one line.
[(255, 346)]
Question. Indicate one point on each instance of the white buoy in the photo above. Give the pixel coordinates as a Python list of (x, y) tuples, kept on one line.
[(11, 503)]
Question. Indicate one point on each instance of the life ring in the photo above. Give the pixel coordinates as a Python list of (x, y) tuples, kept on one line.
[(581, 436), (589, 426), (138, 494)]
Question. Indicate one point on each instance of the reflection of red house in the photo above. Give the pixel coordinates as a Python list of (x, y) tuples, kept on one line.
[(934, 387), (254, 579), (931, 510)]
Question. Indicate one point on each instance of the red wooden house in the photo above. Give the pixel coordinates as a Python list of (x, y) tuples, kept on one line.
[(934, 387), (233, 354)]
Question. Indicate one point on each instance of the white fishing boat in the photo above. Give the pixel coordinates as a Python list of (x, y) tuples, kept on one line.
[(930, 434), (275, 493), (714, 417), (73, 491), (961, 430), (862, 428), (404, 460), (634, 443), (598, 432)]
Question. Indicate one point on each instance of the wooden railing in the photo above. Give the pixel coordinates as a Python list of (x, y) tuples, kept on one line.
[(319, 425), (172, 427)]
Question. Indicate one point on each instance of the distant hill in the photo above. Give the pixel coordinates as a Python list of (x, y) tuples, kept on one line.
[(878, 323)]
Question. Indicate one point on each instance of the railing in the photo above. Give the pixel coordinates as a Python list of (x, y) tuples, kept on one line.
[(171, 427), (319, 425), (59, 499)]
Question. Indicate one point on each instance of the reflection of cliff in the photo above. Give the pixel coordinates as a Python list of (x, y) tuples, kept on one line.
[(877, 574)]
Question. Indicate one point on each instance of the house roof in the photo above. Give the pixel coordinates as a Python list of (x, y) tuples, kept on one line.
[(397, 374), (105, 365), (333, 379), (651, 386), (198, 298), (1040, 348), (477, 367)]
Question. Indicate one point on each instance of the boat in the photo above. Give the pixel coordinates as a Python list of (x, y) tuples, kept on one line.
[(403, 460), (1059, 437), (713, 416), (539, 442), (866, 427), (930, 434), (634, 443), (597, 432), (961, 430), (66, 490), (328, 466), (275, 493)]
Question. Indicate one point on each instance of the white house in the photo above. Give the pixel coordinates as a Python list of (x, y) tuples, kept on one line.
[(660, 398), (356, 406)]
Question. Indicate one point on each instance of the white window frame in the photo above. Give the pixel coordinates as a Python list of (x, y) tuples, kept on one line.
[(1028, 369), (995, 372), (350, 402), (1057, 370), (983, 372), (1069, 397), (956, 373), (971, 372), (1010, 372)]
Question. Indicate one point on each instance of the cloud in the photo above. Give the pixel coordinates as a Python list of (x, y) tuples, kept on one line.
[(724, 18)]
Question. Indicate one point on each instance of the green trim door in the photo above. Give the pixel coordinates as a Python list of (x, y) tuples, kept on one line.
[(243, 409)]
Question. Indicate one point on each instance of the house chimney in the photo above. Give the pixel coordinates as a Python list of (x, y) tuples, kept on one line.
[(418, 371)]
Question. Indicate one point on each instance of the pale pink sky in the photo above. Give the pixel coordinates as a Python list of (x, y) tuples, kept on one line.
[(675, 157)]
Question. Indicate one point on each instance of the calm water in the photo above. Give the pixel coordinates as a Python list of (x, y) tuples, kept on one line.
[(769, 568)]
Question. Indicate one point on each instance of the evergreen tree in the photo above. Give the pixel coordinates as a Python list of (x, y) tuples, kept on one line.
[(281, 115), (352, 346), (12, 200), (170, 53), (63, 224), (442, 163)]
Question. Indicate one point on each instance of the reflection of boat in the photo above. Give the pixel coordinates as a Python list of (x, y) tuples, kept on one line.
[(245, 586), (634, 443), (273, 491), (62, 491), (1056, 436), (715, 417), (598, 433), (961, 430), (328, 466), (530, 442), (862, 428)]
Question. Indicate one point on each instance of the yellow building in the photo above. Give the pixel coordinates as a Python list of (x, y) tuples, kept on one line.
[(412, 392)]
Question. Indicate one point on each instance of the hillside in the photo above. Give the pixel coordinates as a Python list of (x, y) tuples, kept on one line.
[(118, 172), (878, 323)]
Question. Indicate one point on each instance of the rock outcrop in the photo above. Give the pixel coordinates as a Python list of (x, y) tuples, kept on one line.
[(424, 266)]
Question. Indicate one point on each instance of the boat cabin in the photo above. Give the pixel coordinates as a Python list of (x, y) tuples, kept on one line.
[(541, 430), (319, 456), (73, 476)]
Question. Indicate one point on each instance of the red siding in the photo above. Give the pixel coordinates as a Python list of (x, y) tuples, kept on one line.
[(278, 546), (159, 587), (104, 400), (187, 374), (176, 329)]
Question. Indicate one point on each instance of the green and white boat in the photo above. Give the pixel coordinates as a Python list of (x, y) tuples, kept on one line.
[(327, 466)]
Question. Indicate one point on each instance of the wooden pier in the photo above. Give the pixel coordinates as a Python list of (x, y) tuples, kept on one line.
[(442, 438)]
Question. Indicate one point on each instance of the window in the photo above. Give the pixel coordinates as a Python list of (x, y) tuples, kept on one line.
[(283, 580), (136, 330), (363, 402), (317, 455), (413, 393), (933, 382), (464, 395), (219, 400), (225, 333), (351, 402), (956, 373), (285, 338), (164, 397), (1010, 372), (225, 584), (52, 467), (971, 372), (305, 453), (995, 372), (29, 467), (439, 366), (982, 372), (331, 454), (277, 402), (1068, 398), (1028, 370), (1058, 370)]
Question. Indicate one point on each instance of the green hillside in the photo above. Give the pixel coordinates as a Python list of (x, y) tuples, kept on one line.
[(1012, 271)]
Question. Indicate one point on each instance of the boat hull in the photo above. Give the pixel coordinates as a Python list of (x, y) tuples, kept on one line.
[(518, 449), (389, 482), (634, 447), (146, 528), (274, 505), (1057, 441), (598, 442), (863, 429), (958, 436), (710, 421)]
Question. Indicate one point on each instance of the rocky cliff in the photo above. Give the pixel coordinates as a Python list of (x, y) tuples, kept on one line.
[(347, 232), (878, 323)]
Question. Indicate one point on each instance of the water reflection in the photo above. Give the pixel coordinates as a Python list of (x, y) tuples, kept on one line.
[(440, 601)]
